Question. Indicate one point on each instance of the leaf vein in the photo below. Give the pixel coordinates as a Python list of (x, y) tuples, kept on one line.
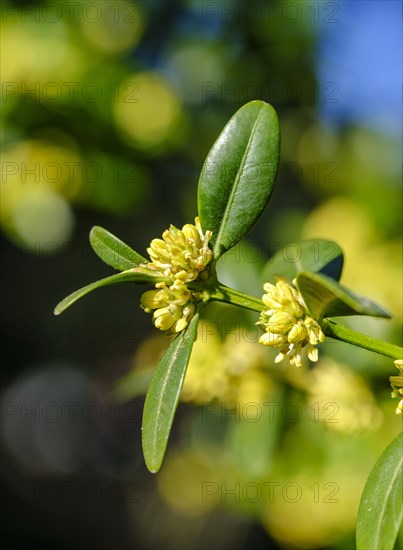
[(235, 188)]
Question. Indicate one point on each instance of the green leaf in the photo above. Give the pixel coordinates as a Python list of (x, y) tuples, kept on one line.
[(238, 175), (380, 512), (325, 297), (113, 251), (163, 395), (314, 256), (135, 275)]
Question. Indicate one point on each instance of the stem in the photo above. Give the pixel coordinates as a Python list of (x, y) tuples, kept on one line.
[(345, 334), (223, 293)]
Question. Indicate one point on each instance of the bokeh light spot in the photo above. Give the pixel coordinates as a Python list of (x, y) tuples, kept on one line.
[(113, 27), (147, 110), (40, 217)]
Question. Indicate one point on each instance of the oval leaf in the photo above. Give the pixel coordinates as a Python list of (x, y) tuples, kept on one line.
[(113, 251), (163, 395), (380, 512), (314, 256), (136, 275), (325, 297), (238, 175)]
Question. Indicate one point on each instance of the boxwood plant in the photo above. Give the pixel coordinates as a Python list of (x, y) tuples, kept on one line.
[(296, 312)]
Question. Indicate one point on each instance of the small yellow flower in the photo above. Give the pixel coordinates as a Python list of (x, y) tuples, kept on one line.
[(181, 254), (174, 306), (397, 385), (287, 324)]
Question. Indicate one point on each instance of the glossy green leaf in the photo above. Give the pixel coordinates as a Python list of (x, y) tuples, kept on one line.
[(325, 297), (380, 513), (113, 251), (238, 175), (163, 395), (135, 275), (313, 256)]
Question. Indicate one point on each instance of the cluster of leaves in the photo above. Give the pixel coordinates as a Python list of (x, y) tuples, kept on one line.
[(235, 185)]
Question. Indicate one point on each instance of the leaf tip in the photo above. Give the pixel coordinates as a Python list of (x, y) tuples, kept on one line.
[(94, 228), (153, 465), (58, 309)]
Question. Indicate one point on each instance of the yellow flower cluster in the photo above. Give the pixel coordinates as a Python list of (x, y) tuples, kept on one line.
[(180, 256), (287, 324), (173, 306), (397, 385)]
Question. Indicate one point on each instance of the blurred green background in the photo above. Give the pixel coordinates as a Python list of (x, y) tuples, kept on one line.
[(108, 111)]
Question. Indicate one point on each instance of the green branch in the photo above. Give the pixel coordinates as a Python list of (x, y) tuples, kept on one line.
[(222, 293), (345, 334)]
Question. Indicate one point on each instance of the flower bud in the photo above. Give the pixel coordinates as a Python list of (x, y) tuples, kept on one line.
[(298, 333)]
